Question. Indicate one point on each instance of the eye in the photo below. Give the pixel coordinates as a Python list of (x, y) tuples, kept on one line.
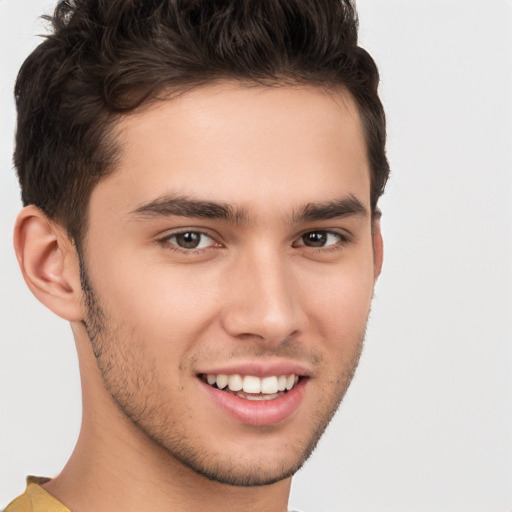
[(190, 240), (320, 238)]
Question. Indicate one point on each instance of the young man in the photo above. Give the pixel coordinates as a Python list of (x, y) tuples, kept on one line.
[(201, 182)]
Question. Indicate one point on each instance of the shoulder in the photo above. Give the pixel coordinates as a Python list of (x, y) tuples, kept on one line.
[(20, 504), (35, 499)]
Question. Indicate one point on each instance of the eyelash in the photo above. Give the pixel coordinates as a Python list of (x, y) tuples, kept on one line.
[(342, 240), (166, 241)]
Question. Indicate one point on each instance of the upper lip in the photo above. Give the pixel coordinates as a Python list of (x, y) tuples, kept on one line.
[(257, 368)]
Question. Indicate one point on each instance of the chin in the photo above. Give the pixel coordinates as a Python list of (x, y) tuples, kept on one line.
[(244, 471), (267, 458)]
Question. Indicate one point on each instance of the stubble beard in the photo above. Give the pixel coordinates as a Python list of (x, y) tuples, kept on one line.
[(131, 380)]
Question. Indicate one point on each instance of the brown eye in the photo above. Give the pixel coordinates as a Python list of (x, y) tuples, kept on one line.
[(190, 240), (321, 239), (315, 239)]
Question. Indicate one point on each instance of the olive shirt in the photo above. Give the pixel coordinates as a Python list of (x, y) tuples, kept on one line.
[(36, 499)]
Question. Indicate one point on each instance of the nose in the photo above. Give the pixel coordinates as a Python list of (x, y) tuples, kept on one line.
[(264, 300)]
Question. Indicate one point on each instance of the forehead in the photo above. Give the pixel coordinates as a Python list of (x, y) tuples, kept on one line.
[(242, 145)]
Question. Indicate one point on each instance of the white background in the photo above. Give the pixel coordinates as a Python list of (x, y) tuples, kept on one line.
[(427, 424)]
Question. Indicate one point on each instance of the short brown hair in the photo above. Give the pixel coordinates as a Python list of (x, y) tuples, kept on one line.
[(106, 58)]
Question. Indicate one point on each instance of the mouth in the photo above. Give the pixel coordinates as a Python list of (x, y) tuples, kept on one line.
[(250, 387), (257, 396)]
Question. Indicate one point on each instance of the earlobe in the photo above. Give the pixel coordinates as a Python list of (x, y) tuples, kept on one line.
[(378, 247), (49, 263)]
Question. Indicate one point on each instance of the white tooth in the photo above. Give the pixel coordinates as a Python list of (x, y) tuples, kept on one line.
[(222, 381), (269, 385), (281, 383), (211, 379), (290, 382), (252, 384), (296, 379), (260, 397), (235, 382)]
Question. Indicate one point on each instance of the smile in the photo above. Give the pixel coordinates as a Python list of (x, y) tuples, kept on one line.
[(250, 387), (257, 400)]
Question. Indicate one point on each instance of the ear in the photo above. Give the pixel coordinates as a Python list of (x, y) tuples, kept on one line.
[(49, 263), (378, 246)]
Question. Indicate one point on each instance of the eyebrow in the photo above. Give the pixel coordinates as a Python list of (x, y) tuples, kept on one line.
[(348, 206), (183, 206)]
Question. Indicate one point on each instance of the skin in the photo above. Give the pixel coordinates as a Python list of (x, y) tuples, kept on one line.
[(265, 286)]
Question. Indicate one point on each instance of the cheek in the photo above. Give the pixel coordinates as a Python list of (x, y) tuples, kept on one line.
[(338, 301), (161, 305)]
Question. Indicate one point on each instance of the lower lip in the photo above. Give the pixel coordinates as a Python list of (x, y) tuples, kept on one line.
[(261, 412)]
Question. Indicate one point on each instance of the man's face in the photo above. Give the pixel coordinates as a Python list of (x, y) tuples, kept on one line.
[(233, 247)]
